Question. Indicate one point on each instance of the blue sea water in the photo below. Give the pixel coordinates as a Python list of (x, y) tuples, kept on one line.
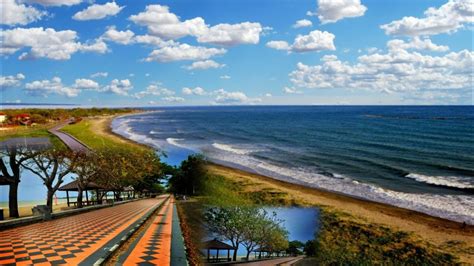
[(415, 157)]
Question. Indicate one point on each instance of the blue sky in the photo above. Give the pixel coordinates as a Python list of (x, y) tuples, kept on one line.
[(183, 52)]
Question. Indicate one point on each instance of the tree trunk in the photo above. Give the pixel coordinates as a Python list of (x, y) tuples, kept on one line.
[(248, 254), (49, 199), (79, 197), (13, 200), (234, 257)]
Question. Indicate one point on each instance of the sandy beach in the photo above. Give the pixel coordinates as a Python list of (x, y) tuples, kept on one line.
[(447, 235)]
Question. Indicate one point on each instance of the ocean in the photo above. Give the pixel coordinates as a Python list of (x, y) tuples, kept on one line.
[(415, 157)]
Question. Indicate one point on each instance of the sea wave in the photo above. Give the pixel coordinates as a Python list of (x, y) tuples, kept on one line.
[(122, 127), (175, 142), (229, 148), (447, 181)]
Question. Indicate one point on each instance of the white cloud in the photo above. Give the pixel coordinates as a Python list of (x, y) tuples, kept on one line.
[(450, 17), (13, 13), (330, 11), (162, 23), (302, 23), (183, 52), (268, 95), (232, 34), (315, 41), (153, 40), (173, 99), (122, 37), (97, 11), (45, 43), (86, 84), (120, 87), (417, 44), (55, 2), (196, 91), (236, 97), (225, 77), (100, 75), (396, 71), (98, 46), (278, 45), (53, 86), (154, 90), (291, 90), (206, 64), (11, 81)]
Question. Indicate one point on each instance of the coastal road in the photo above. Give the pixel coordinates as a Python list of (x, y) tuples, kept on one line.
[(70, 141), (75, 240), (161, 243)]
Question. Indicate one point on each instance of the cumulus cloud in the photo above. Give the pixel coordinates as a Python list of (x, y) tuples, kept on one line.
[(13, 13), (278, 45), (291, 90), (154, 90), (330, 11), (396, 71), (45, 43), (196, 91), (236, 97), (53, 86), (183, 52), (100, 75), (232, 34), (173, 99), (120, 87), (153, 40), (206, 64), (162, 23), (122, 37), (97, 11), (55, 2), (86, 84), (225, 77), (450, 17), (11, 81), (302, 23), (417, 44), (313, 42)]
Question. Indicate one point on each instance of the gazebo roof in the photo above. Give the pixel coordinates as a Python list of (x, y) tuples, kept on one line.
[(73, 186), (216, 244)]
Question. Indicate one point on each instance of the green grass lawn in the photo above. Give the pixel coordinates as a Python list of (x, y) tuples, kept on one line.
[(83, 132)]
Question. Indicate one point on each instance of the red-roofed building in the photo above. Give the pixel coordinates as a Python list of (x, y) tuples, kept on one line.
[(24, 119)]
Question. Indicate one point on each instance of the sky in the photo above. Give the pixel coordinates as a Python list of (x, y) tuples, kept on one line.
[(229, 52)]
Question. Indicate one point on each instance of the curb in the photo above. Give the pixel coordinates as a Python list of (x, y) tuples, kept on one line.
[(109, 252)]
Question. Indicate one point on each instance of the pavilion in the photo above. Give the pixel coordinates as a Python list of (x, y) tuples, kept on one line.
[(74, 186), (217, 245)]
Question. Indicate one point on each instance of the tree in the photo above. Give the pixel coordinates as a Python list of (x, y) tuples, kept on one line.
[(228, 224), (310, 248), (15, 155), (87, 170), (51, 166), (294, 247), (189, 178)]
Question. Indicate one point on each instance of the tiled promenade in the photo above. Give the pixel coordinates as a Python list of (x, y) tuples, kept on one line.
[(72, 240), (159, 244)]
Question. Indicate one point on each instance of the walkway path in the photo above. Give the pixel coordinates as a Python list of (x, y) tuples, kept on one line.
[(280, 262), (159, 244), (80, 239), (70, 141)]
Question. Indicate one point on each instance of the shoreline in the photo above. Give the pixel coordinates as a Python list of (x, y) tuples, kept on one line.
[(435, 230)]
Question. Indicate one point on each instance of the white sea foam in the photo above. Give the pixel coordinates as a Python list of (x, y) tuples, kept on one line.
[(229, 148), (154, 132), (447, 181), (175, 142), (123, 128)]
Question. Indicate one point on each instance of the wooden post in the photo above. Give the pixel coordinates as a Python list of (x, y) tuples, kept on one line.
[(67, 195), (228, 255), (217, 257), (208, 254), (87, 198)]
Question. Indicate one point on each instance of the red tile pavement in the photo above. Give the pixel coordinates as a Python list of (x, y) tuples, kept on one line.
[(72, 239), (154, 246)]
